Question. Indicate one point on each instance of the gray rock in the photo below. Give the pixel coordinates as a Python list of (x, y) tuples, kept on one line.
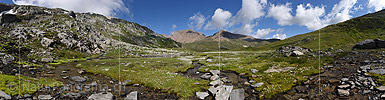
[(213, 89), (72, 95), (215, 72), (5, 95), (381, 88), (215, 77), (101, 96), (47, 60), (237, 94), (78, 79), (380, 43), (46, 42), (297, 53), (257, 84), (6, 58), (344, 86), (216, 83), (293, 51), (366, 91), (44, 97), (202, 95), (378, 71), (345, 79), (125, 82), (206, 76), (254, 71), (223, 93), (132, 96), (343, 92), (366, 44)]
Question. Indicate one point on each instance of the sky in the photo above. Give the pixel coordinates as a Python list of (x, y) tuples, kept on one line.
[(258, 18)]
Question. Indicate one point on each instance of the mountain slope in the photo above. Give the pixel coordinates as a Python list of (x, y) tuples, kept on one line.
[(229, 41), (58, 33), (186, 36), (343, 35)]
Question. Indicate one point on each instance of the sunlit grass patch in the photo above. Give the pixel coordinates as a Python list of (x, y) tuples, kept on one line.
[(20, 85), (158, 73)]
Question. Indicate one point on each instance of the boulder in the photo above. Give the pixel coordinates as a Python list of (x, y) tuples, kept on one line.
[(216, 83), (296, 53), (6, 59), (223, 93), (9, 18), (44, 97), (5, 95), (293, 51), (215, 72), (132, 96), (380, 43), (370, 44), (237, 94), (381, 88), (202, 95), (378, 71), (206, 76), (343, 92), (215, 77), (101, 96)]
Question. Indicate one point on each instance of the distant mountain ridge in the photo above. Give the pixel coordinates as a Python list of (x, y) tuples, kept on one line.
[(185, 36)]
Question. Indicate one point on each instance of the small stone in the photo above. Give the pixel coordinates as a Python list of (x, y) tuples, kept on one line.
[(47, 60), (216, 83), (381, 88), (101, 96), (242, 74), (257, 84), (215, 77), (345, 79), (246, 83), (78, 79), (344, 86), (132, 96), (202, 95), (81, 71), (206, 76), (254, 71), (366, 91), (44, 97), (343, 92)]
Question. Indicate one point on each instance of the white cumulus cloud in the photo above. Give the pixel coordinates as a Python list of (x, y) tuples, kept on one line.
[(251, 10), (279, 36), (262, 33), (196, 21), (281, 13), (104, 7), (219, 20), (173, 27), (376, 4), (340, 12)]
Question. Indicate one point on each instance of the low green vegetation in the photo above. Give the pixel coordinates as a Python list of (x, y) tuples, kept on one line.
[(274, 82), (20, 85), (64, 60), (380, 79), (158, 73)]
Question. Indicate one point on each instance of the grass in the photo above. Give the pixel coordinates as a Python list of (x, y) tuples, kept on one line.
[(13, 85), (274, 82), (380, 79), (65, 60), (158, 73)]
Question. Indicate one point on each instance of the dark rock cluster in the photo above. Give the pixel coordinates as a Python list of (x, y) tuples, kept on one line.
[(370, 44), (293, 50)]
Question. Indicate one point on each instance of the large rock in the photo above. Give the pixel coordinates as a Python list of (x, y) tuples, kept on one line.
[(293, 50), (254, 71), (237, 94), (6, 59), (206, 76), (216, 83), (370, 44), (101, 96), (223, 92), (5, 95), (202, 95), (257, 84), (47, 60), (215, 72), (381, 88), (132, 96), (378, 71), (343, 92)]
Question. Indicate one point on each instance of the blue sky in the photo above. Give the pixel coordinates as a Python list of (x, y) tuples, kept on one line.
[(258, 18)]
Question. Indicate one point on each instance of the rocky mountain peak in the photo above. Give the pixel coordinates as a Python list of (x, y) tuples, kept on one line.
[(186, 36), (225, 35)]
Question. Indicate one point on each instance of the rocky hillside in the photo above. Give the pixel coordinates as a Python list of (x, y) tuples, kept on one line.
[(343, 35), (186, 36), (57, 33), (229, 41)]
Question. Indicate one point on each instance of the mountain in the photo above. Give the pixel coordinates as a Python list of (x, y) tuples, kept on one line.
[(343, 35), (186, 36), (228, 41), (56, 33)]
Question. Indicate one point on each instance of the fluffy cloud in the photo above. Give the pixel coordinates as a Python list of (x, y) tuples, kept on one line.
[(340, 12), (279, 36), (219, 20), (281, 13), (251, 10), (262, 33), (105, 7), (376, 4), (196, 21), (313, 17)]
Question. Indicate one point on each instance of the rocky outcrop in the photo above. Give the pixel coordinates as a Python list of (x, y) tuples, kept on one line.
[(5, 95), (293, 51), (370, 44), (6, 59), (101, 96)]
